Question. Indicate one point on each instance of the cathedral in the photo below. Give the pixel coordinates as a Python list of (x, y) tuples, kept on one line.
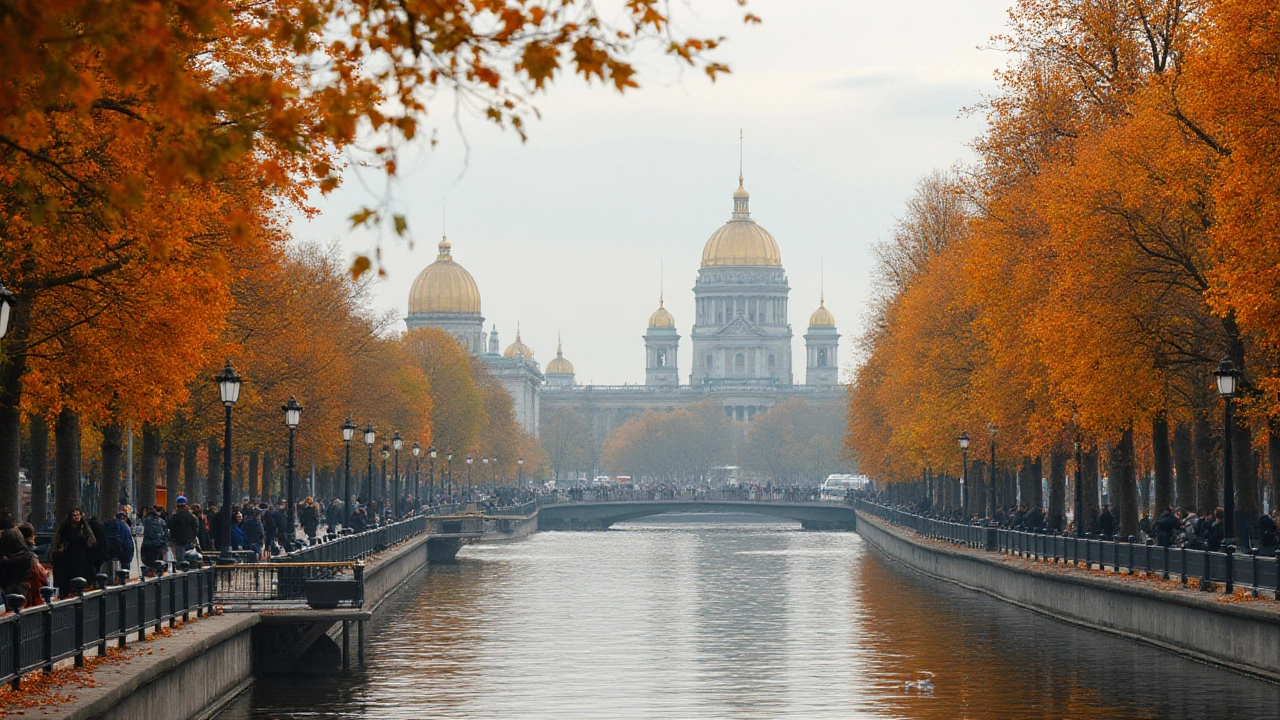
[(741, 338)]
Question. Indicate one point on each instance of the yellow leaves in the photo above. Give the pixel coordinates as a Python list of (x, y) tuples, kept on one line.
[(359, 266)]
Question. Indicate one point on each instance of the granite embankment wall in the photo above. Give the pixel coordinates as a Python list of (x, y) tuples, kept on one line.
[(1232, 635), (193, 673)]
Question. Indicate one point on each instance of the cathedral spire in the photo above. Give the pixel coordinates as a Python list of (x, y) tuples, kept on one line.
[(741, 198)]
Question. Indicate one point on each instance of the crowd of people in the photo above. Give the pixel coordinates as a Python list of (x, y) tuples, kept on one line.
[(1173, 527), (84, 546)]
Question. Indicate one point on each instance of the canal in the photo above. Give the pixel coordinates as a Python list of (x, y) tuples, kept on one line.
[(696, 617)]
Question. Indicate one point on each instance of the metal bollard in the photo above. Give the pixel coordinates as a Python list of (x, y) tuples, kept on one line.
[(15, 602), (78, 584)]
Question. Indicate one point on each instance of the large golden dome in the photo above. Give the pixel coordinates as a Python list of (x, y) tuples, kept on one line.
[(558, 365), (822, 317), (741, 241), (444, 286), (518, 349), (661, 318)]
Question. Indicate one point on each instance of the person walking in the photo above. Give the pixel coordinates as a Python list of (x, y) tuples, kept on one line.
[(72, 543), (309, 519), (155, 538), (1217, 532), (119, 541), (184, 529), (16, 560), (1165, 527), (39, 575)]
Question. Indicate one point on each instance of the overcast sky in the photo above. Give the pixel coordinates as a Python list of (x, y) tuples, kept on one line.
[(844, 103)]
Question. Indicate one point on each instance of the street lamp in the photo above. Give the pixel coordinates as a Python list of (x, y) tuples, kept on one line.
[(6, 308), (431, 477), (417, 470), (964, 475), (229, 391), (370, 437), (520, 472), (1228, 378), (292, 416), (397, 442), (348, 432), (469, 461)]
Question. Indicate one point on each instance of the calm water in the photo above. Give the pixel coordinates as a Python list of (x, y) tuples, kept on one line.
[(695, 618)]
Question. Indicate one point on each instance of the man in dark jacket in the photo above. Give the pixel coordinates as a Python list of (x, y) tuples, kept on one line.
[(1165, 527), (1106, 523), (1217, 532), (119, 540), (184, 528)]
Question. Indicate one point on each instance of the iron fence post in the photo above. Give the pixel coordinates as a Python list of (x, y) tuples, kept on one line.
[(1230, 553)]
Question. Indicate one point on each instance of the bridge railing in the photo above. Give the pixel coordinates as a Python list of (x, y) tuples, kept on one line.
[(1253, 571), (593, 495), (37, 637)]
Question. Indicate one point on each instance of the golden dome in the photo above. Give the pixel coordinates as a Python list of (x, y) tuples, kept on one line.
[(558, 365), (661, 318), (741, 241), (518, 349), (822, 317), (444, 286)]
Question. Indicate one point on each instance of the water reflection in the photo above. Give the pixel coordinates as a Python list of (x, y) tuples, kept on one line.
[(701, 619)]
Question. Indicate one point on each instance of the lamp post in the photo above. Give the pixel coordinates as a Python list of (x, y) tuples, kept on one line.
[(348, 432), (292, 416), (6, 309), (469, 461), (964, 475), (991, 479), (417, 470), (493, 471), (1079, 490), (229, 391), (370, 437), (520, 472), (486, 464), (1228, 378), (397, 442), (431, 476)]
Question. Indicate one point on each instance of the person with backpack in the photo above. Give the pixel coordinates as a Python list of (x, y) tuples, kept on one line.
[(184, 529), (119, 540), (155, 538)]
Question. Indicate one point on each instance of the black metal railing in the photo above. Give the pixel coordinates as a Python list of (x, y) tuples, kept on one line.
[(258, 583), (1206, 568), (358, 546), (36, 638)]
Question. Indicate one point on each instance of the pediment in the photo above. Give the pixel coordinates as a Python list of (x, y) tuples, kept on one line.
[(740, 326)]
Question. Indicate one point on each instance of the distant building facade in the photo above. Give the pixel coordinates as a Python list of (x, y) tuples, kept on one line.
[(741, 338)]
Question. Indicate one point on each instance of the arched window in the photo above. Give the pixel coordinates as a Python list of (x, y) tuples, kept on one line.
[(710, 362), (822, 357), (740, 363)]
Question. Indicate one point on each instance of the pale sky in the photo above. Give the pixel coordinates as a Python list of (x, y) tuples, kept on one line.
[(844, 104)]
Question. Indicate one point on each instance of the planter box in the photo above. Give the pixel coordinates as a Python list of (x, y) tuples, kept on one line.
[(330, 594)]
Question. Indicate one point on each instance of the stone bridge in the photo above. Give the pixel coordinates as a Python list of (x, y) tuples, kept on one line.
[(600, 515)]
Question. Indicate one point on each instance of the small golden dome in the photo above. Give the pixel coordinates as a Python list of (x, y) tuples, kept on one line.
[(444, 286), (661, 318), (822, 317), (558, 365), (518, 349), (741, 241)]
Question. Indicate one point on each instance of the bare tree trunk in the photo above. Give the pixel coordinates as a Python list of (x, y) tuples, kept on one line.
[(66, 480), (1162, 464), (1124, 487), (254, 488), (1057, 490), (269, 489), (1089, 487), (172, 475), (1245, 471), (1273, 459), (1207, 486), (150, 469), (1026, 495), (38, 429), (190, 471), (112, 453), (1037, 482), (1184, 466), (213, 488)]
